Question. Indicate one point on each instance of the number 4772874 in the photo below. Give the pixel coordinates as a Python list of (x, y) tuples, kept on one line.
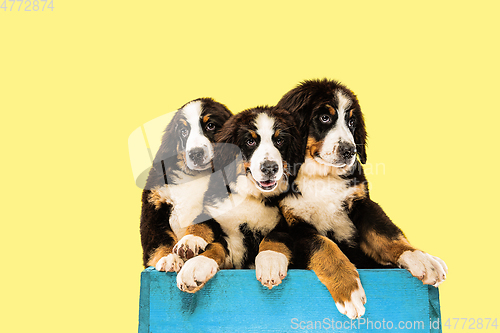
[(29, 6), (471, 323)]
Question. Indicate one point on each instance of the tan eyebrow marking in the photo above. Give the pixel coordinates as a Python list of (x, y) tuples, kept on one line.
[(350, 113), (184, 122), (254, 135), (205, 119), (331, 109), (277, 133)]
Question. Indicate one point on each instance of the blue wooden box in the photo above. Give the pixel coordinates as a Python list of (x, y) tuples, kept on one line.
[(234, 301)]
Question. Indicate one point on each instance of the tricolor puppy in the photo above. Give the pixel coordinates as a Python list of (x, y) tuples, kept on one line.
[(244, 227), (178, 179), (334, 224)]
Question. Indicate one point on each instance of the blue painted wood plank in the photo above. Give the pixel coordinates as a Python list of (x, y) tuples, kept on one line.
[(234, 301)]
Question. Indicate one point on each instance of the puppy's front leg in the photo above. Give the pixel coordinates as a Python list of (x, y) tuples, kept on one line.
[(197, 271), (275, 254), (271, 264), (339, 276), (194, 242), (165, 261), (382, 240), (157, 237), (320, 254), (197, 237)]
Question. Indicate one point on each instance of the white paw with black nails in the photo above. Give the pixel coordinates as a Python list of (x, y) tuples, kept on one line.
[(271, 268), (170, 263), (195, 273), (354, 308), (429, 269), (189, 246)]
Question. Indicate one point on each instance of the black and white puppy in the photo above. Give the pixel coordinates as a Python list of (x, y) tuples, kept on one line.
[(178, 179), (333, 222), (244, 227)]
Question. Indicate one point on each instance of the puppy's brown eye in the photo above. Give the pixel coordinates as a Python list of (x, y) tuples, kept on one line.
[(279, 141), (325, 119), (351, 122), (210, 127), (251, 142), (184, 132)]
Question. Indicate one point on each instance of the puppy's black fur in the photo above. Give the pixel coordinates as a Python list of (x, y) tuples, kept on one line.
[(333, 221), (170, 169), (242, 215)]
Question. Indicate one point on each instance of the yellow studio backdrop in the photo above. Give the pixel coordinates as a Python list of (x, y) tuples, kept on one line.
[(75, 82)]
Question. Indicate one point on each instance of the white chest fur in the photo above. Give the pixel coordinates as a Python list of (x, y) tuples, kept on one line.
[(187, 201), (239, 208), (322, 204)]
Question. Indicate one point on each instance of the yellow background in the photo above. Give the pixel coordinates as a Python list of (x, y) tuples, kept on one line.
[(75, 82)]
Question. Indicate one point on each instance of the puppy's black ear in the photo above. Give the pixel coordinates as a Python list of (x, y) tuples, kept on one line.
[(227, 154), (221, 111), (298, 102), (360, 138), (295, 156), (296, 153), (170, 141), (167, 156)]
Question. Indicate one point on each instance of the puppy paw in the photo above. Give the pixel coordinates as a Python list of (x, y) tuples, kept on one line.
[(428, 269), (354, 306), (189, 246), (271, 268), (170, 263), (195, 273)]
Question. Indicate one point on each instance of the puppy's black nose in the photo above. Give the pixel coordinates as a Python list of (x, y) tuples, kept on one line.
[(269, 168), (197, 155), (347, 150)]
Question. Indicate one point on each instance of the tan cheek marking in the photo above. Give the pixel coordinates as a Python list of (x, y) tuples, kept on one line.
[(179, 149), (313, 146), (162, 251), (206, 118), (383, 249), (241, 169), (266, 245), (285, 167), (331, 109), (201, 230), (181, 163), (334, 270)]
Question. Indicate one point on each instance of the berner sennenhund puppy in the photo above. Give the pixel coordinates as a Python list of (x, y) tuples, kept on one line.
[(178, 179), (335, 225), (243, 226)]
